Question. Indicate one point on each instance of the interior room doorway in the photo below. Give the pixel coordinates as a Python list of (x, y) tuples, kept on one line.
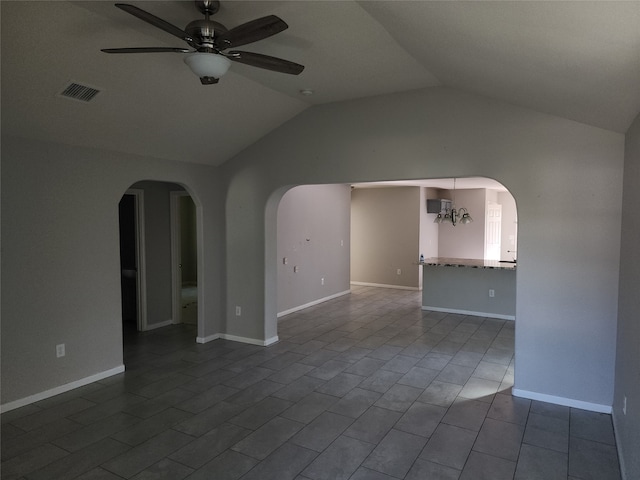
[(132, 271)]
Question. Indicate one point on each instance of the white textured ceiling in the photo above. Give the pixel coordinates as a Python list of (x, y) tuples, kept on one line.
[(578, 60), (463, 183)]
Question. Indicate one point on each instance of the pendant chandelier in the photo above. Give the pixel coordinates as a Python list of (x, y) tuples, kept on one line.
[(453, 215)]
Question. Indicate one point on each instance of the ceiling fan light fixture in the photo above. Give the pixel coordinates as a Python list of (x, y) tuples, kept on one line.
[(207, 65)]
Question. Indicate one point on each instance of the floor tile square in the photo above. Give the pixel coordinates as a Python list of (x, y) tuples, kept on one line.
[(298, 389), (341, 384), (385, 352), (500, 439), (469, 414), (440, 393), (480, 389), (309, 407), (400, 364), (510, 409), (490, 371), (373, 425), (486, 467), (550, 410), (366, 474), (467, 359), (537, 463), (591, 426), (593, 460), (395, 454), (547, 439), (418, 377), (421, 419), (328, 370), (319, 434), (197, 425), (319, 357), (79, 462), (260, 413), (209, 446), (399, 398), (340, 460), (283, 464), (456, 374), (424, 470), (134, 460), (365, 366), (267, 438), (290, 373), (355, 403), (449, 446), (164, 470), (380, 381)]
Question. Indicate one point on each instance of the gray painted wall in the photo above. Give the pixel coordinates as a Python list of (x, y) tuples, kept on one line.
[(465, 241), (313, 234), (428, 229), (509, 232), (60, 258), (628, 353), (385, 235), (567, 279), (467, 290)]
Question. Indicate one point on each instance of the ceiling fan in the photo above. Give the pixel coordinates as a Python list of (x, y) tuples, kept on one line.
[(209, 41)]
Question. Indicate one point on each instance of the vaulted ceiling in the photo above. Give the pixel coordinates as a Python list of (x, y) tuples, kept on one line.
[(579, 60)]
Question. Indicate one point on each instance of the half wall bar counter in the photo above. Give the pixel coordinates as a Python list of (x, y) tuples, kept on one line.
[(485, 288)]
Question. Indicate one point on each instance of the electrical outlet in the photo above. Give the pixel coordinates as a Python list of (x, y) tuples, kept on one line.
[(238, 310), (60, 350), (285, 260), (295, 269), (342, 243), (492, 292), (624, 405), (322, 281), (399, 271)]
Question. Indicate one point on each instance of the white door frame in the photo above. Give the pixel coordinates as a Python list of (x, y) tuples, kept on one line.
[(141, 268), (176, 274)]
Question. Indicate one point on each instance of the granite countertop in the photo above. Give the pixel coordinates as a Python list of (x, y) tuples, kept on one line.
[(468, 263)]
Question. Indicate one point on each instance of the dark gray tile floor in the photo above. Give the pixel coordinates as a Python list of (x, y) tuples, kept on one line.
[(364, 387)]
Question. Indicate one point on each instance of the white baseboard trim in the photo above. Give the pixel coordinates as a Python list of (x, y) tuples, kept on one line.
[(61, 389), (384, 285), (315, 302), (207, 339), (250, 341), (567, 402), (235, 338), (469, 312), (153, 326)]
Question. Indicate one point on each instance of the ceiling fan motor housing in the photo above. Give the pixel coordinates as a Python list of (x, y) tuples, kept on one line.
[(204, 32)]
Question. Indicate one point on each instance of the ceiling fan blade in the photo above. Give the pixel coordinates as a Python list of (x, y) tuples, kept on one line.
[(266, 61), (251, 32), (146, 50), (155, 21)]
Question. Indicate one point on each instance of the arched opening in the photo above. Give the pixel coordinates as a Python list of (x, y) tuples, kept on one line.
[(391, 227), (159, 259)]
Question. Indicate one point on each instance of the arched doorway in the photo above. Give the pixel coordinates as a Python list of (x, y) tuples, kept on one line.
[(157, 237), (392, 226)]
